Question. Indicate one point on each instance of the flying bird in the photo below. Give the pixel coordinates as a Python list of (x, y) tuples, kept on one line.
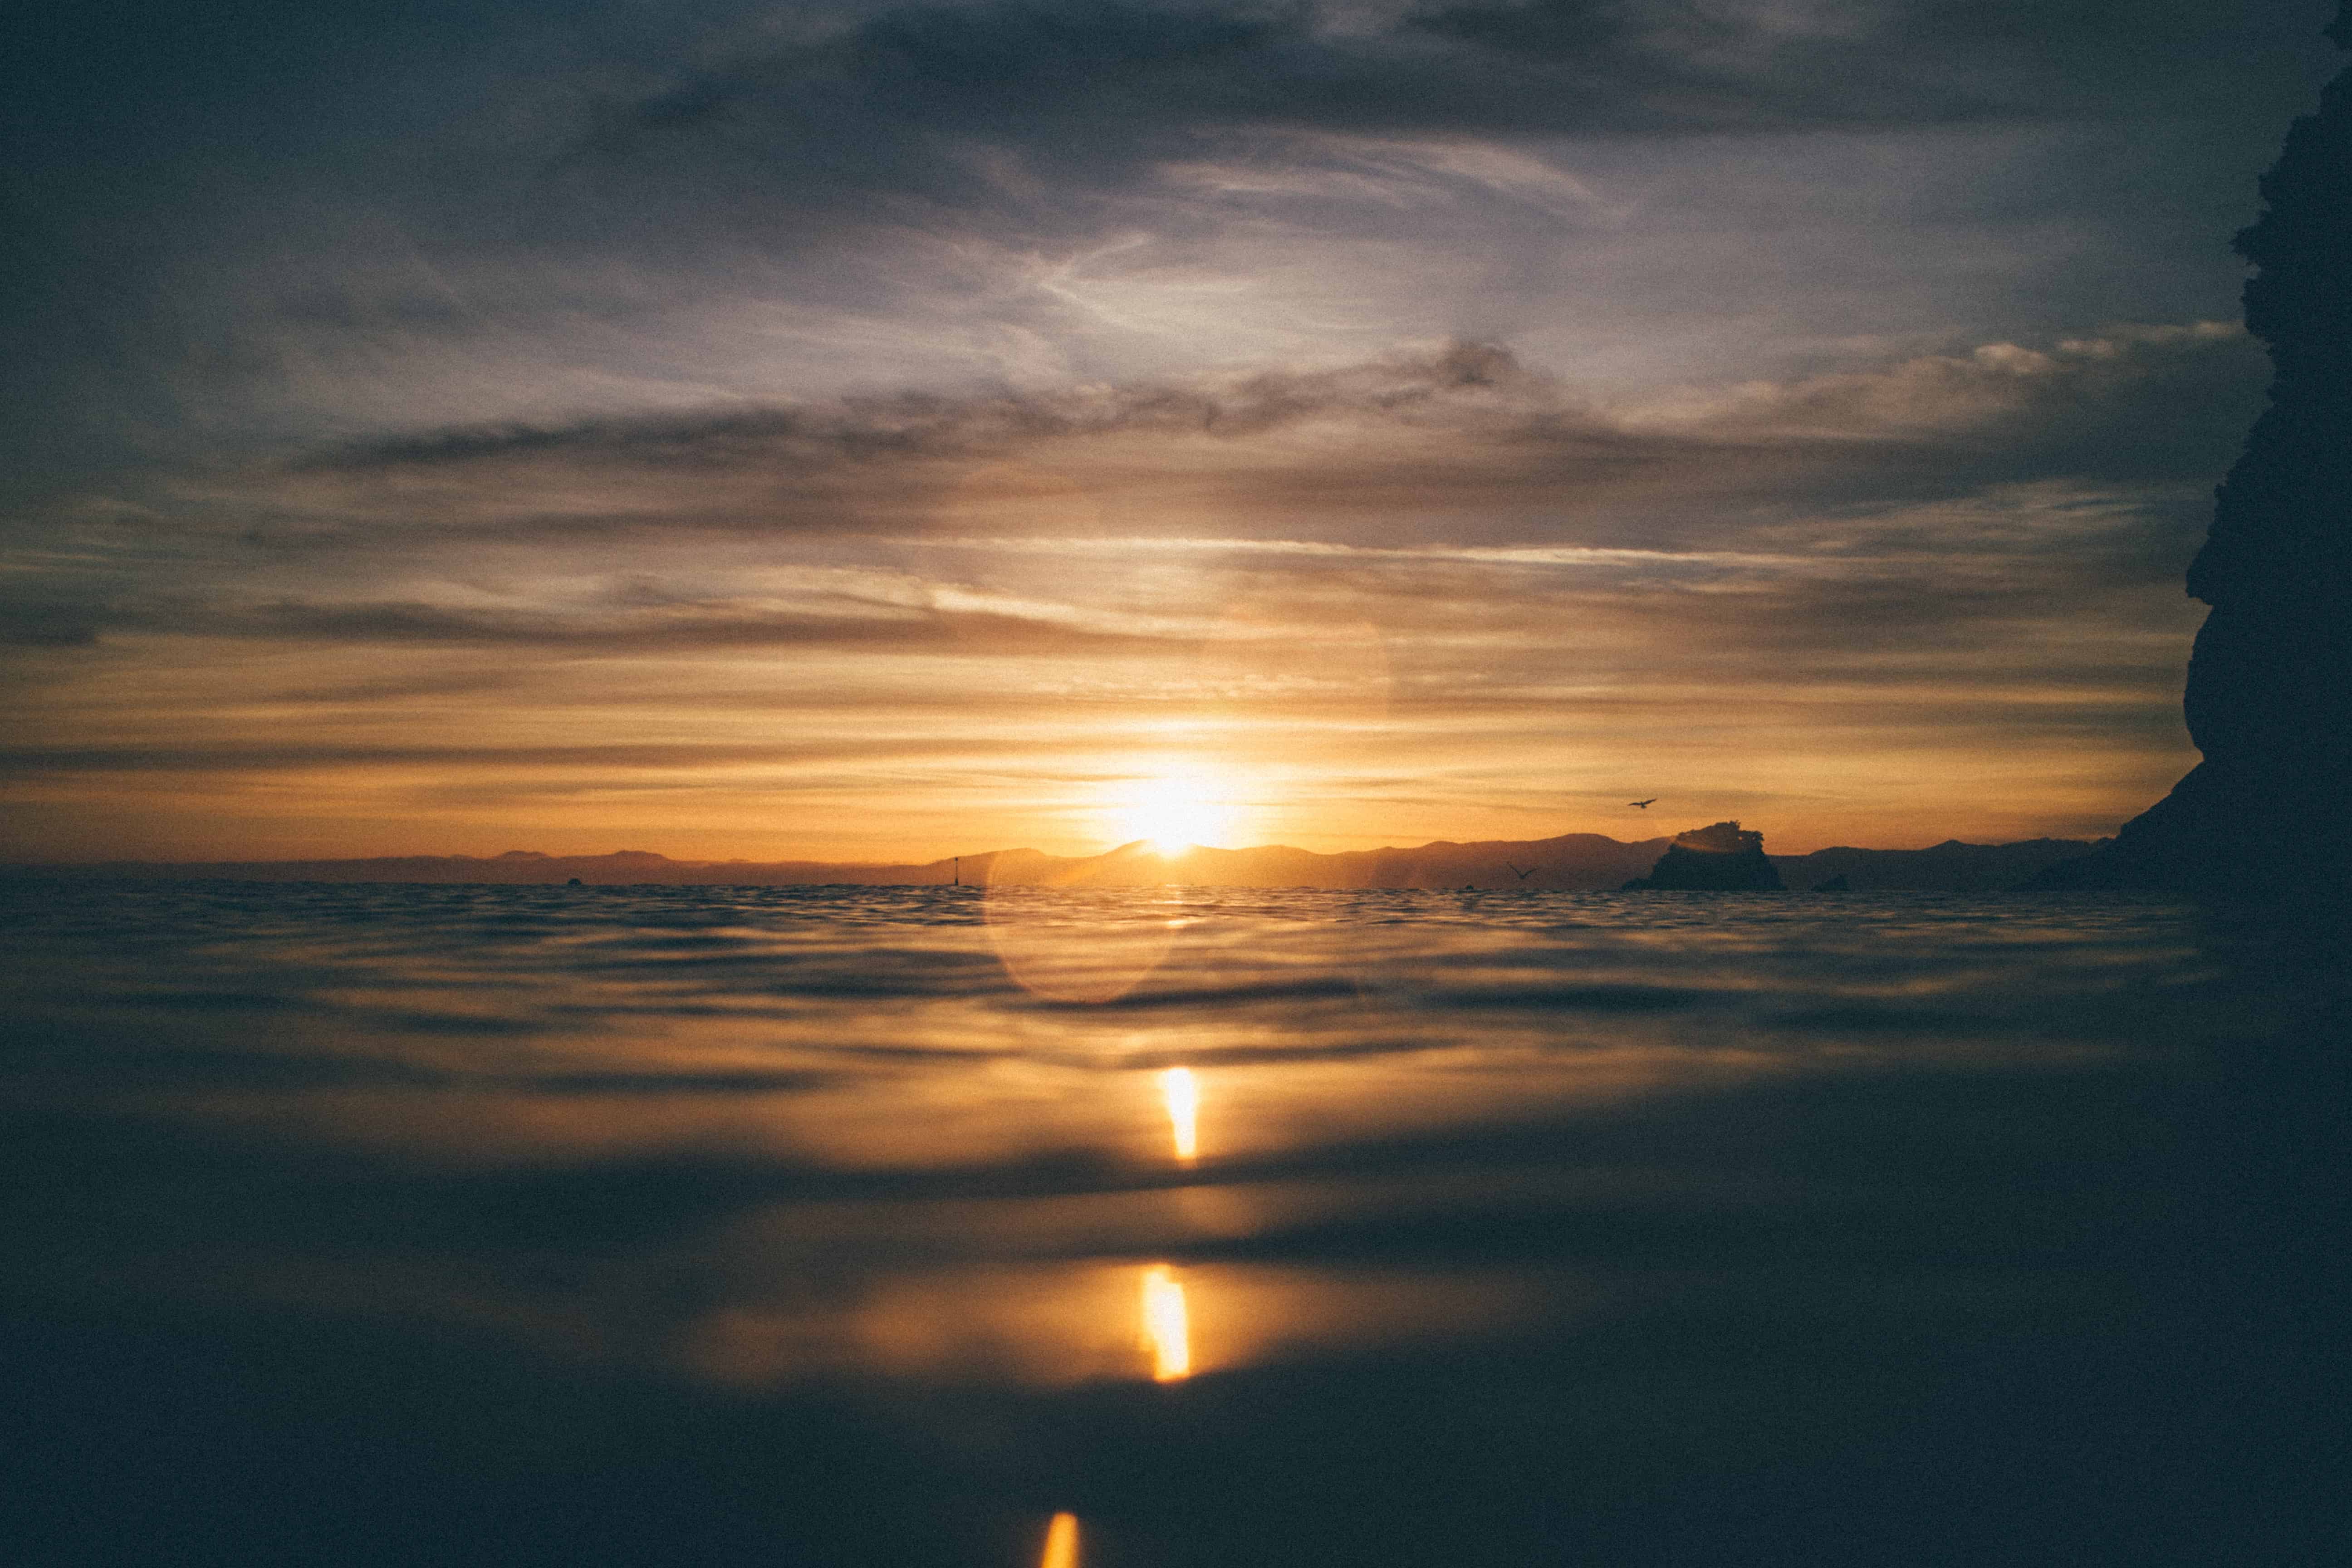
[(1643, 805), (1522, 876)]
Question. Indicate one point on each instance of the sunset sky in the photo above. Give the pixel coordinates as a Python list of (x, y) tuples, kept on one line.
[(854, 430)]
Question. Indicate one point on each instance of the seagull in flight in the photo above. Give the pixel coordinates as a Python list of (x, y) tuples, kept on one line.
[(1643, 805), (1522, 876)]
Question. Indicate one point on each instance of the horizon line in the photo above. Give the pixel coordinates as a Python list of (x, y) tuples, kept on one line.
[(1137, 845)]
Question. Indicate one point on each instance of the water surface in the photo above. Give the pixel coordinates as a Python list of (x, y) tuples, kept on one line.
[(851, 1225)]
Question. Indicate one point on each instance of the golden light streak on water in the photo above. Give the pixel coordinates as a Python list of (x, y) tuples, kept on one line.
[(1184, 1098), (1061, 1542), (1166, 1333)]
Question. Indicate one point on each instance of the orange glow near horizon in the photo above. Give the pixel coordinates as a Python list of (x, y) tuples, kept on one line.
[(1061, 1542), (1182, 1095), (1167, 1332), (194, 750)]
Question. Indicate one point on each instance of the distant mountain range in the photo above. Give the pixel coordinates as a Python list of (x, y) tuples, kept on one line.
[(1950, 867), (1573, 861)]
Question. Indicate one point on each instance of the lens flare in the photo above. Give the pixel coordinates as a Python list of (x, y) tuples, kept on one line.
[(1184, 1098), (1166, 1333), (1061, 1542)]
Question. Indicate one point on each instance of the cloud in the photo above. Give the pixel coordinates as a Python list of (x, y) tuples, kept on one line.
[(1474, 391), (605, 211), (944, 619), (598, 760), (921, 426), (2135, 403), (867, 92), (1865, 507), (1351, 452)]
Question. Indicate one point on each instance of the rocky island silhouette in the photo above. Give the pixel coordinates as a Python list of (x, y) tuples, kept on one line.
[(1721, 858)]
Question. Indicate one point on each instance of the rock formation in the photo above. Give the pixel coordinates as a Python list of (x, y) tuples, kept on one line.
[(2269, 698), (1722, 858)]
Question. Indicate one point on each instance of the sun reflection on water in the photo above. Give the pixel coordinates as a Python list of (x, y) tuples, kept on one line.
[(1166, 1333), (1061, 1542), (1184, 1098)]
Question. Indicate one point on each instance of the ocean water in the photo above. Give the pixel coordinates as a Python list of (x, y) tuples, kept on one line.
[(519, 1224)]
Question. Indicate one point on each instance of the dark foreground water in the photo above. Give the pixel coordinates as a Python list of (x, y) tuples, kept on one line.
[(689, 1226)]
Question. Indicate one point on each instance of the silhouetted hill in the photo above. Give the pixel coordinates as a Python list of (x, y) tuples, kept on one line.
[(1585, 861), (1573, 861), (1950, 867)]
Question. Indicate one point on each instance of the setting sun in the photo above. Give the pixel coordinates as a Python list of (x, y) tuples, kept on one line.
[(1175, 811)]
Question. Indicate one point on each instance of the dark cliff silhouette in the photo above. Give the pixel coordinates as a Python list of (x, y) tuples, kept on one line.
[(1724, 859), (2269, 697)]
